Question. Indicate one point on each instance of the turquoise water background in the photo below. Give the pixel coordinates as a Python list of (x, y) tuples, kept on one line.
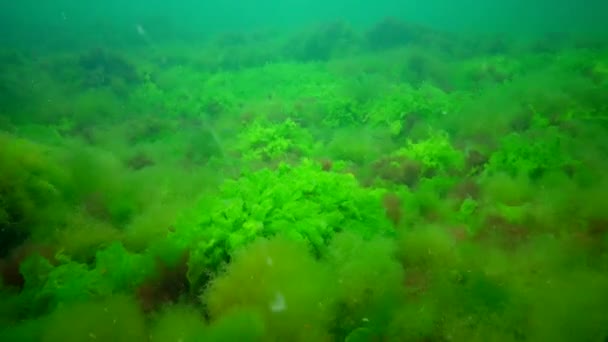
[(33, 22)]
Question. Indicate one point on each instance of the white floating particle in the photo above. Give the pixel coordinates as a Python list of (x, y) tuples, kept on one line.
[(278, 304)]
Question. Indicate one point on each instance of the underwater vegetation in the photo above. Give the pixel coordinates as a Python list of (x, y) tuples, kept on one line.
[(332, 184)]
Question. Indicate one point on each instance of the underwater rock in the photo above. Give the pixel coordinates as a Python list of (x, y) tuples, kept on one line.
[(102, 67), (327, 164), (475, 160), (323, 42), (392, 32), (466, 189), (10, 272), (521, 122), (399, 170), (139, 161), (409, 121), (10, 237), (392, 207), (167, 285), (499, 229)]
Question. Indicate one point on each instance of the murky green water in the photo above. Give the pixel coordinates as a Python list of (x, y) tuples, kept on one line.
[(303, 171)]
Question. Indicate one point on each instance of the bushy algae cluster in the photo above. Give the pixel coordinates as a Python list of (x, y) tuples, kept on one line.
[(392, 184)]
